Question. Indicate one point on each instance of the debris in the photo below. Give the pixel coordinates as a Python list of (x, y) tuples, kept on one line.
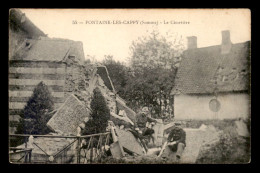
[(30, 142), (158, 132), (203, 127), (168, 127), (154, 151), (211, 128), (124, 118), (69, 116), (163, 148), (168, 154), (116, 150), (128, 141), (241, 128), (120, 104)]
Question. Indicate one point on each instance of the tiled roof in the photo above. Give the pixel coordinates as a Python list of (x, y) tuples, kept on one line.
[(205, 70), (46, 49)]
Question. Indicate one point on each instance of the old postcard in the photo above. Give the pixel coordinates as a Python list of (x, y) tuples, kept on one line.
[(129, 86)]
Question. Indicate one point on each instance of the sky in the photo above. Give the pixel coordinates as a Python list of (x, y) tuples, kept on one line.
[(112, 31)]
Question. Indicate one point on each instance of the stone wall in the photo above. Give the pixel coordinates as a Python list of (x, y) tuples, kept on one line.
[(23, 78), (75, 77)]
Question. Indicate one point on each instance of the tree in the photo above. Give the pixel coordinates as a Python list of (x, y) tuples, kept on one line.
[(156, 51), (154, 61), (118, 73), (152, 89), (37, 112), (99, 116), (149, 79)]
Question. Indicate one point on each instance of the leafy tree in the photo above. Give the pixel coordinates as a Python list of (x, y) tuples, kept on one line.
[(151, 88), (149, 79), (99, 116), (118, 73), (154, 62), (156, 51), (37, 112)]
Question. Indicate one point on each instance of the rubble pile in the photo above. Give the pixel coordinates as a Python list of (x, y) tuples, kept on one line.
[(125, 146), (76, 108), (69, 116), (44, 148), (128, 141)]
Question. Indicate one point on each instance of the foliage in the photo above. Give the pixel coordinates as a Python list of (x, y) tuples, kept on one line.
[(156, 51), (99, 116), (36, 112), (151, 159), (230, 148), (118, 72), (151, 88), (149, 80)]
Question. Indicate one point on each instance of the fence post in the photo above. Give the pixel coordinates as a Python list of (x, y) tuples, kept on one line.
[(78, 150), (91, 151), (26, 156), (30, 156)]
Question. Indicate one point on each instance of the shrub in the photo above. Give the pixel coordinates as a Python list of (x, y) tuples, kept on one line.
[(230, 148), (36, 113), (99, 116)]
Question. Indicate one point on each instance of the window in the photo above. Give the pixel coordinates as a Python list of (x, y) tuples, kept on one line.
[(214, 105)]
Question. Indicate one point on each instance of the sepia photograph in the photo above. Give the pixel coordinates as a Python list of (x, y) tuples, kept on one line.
[(129, 86)]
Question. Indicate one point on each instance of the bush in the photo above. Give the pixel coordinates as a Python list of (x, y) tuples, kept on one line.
[(230, 148), (36, 113), (99, 116)]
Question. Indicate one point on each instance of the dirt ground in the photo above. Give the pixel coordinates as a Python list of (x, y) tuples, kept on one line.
[(194, 139)]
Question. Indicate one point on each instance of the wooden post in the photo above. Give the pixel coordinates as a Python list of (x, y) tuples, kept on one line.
[(25, 142), (30, 156), (101, 150), (78, 150), (91, 151), (26, 156)]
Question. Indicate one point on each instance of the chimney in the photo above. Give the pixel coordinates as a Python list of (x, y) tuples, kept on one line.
[(226, 42), (192, 42)]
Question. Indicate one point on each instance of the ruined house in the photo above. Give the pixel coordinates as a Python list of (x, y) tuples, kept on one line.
[(33, 58), (213, 82), (60, 64), (20, 29)]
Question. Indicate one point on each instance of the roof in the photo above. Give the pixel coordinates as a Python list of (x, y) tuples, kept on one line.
[(206, 70), (18, 21), (47, 49), (103, 73)]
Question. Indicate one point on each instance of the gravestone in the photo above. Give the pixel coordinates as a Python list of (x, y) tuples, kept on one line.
[(128, 141), (69, 116)]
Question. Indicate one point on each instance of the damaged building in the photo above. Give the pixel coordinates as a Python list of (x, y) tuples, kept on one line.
[(58, 63)]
